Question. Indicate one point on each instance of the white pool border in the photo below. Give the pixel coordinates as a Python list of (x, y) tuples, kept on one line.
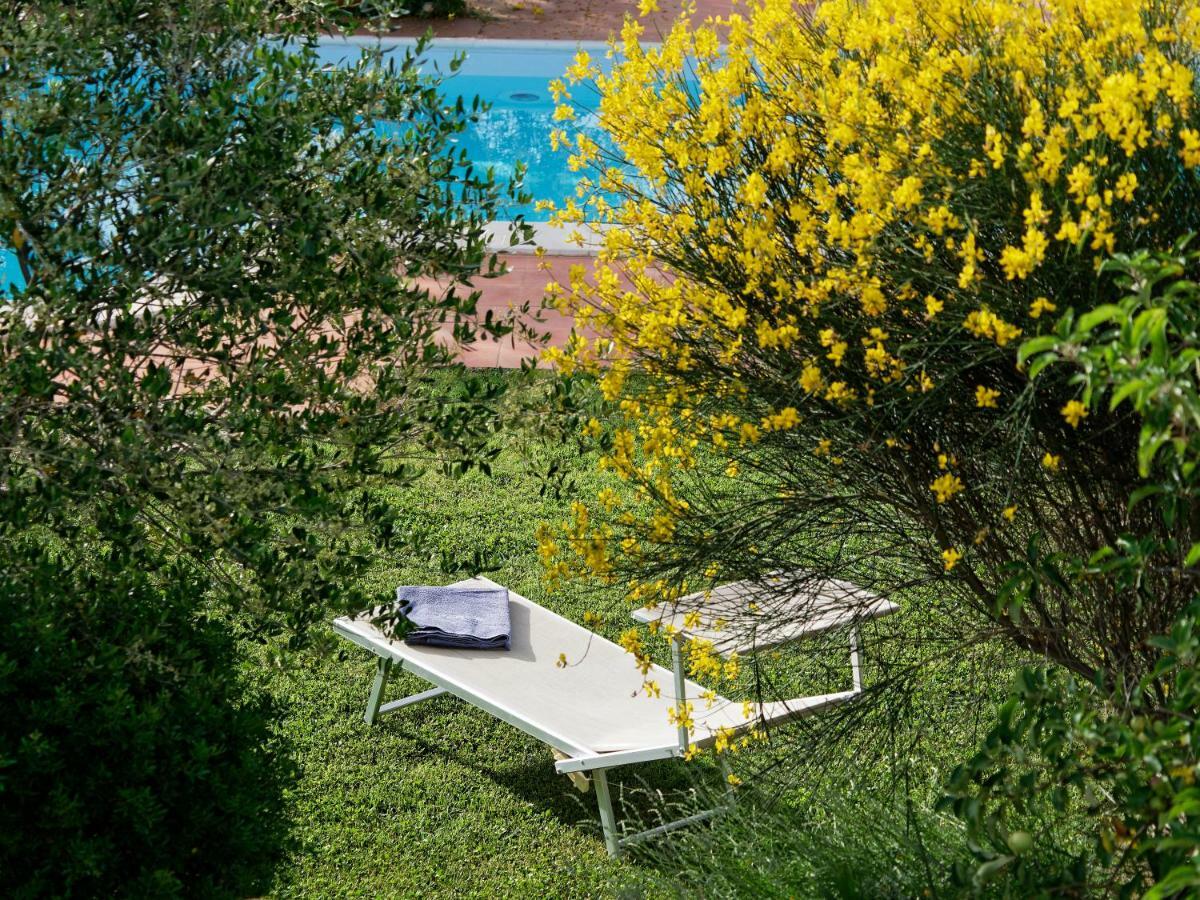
[(554, 240)]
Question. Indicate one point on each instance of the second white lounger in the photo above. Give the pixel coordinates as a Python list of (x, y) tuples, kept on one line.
[(593, 711)]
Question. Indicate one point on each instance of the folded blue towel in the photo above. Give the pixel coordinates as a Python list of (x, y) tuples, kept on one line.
[(466, 617)]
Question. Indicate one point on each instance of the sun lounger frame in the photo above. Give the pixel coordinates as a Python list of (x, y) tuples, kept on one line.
[(579, 759)]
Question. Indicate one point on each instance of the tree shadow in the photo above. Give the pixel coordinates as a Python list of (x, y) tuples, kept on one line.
[(644, 796)]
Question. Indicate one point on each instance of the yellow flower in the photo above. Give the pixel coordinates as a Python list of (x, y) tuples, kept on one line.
[(946, 487), (723, 739), (1036, 214), (1080, 181), (839, 392), (733, 780), (872, 300), (680, 715), (950, 558), (933, 306), (787, 418), (1074, 412), (732, 469), (985, 397), (1191, 146), (983, 323), (1018, 262), (1009, 512), (1040, 305), (1051, 461), (754, 191)]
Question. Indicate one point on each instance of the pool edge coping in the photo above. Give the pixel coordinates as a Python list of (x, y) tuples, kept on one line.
[(553, 240)]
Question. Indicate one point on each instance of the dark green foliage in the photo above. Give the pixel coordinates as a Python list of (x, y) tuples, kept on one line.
[(357, 13), (1124, 759), (434, 7), (133, 761), (221, 349), (221, 321), (1116, 753)]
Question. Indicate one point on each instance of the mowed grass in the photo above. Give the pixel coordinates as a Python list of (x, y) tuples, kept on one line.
[(441, 799)]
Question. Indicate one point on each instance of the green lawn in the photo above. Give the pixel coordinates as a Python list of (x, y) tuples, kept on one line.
[(442, 799)]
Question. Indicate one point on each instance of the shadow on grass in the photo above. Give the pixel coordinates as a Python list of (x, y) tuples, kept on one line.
[(644, 796)]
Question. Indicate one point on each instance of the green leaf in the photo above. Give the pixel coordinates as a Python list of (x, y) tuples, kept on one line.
[(992, 869), (1125, 390), (1150, 442), (1039, 344), (1041, 363), (1105, 313), (1193, 555), (1149, 490)]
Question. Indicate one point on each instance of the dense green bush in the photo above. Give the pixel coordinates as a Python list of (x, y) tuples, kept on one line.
[(1118, 754), (219, 344), (376, 10), (133, 761), (435, 7)]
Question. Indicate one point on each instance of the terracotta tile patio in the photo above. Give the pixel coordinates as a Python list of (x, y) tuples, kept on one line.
[(570, 20), (524, 283)]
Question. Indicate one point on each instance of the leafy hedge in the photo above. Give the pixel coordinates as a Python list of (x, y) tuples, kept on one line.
[(218, 342), (435, 7), (132, 760)]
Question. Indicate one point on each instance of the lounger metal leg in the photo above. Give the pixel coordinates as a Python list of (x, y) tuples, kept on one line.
[(668, 827), (382, 669), (608, 821), (410, 700), (730, 793)]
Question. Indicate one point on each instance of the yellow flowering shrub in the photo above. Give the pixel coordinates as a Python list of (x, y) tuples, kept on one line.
[(825, 237)]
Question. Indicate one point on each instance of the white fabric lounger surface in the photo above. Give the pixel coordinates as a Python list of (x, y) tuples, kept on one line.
[(593, 710)]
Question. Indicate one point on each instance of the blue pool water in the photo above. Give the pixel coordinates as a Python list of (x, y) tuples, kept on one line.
[(514, 78)]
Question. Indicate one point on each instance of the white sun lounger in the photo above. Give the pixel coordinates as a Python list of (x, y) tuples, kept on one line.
[(593, 711)]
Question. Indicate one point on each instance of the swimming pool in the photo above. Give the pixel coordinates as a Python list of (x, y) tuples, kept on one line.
[(514, 78)]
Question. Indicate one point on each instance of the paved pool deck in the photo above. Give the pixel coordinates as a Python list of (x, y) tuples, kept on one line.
[(557, 20), (524, 282)]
